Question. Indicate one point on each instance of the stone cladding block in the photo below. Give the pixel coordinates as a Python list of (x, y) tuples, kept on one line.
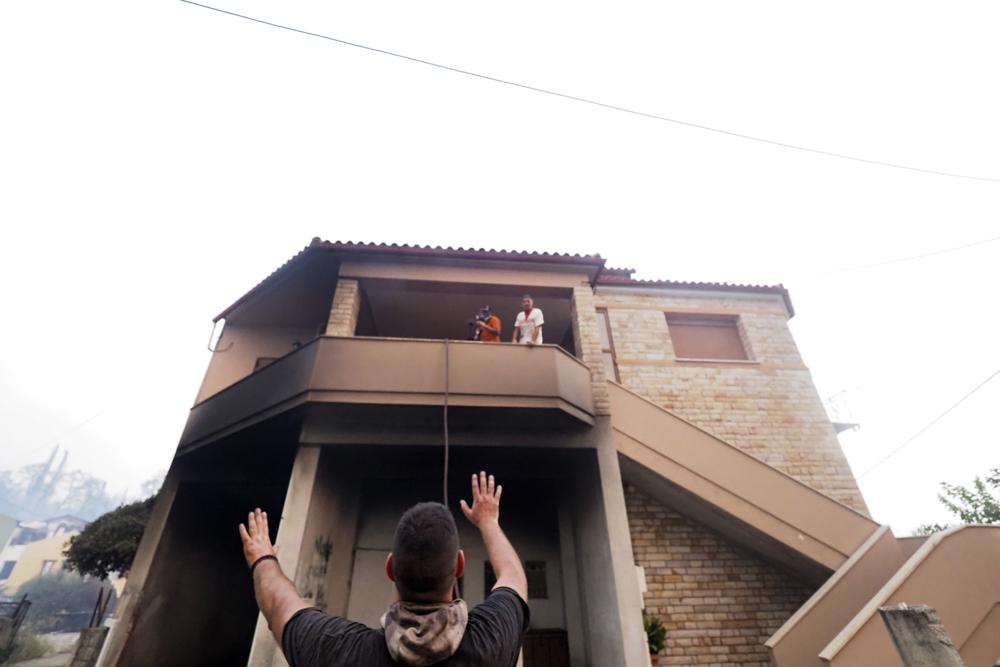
[(588, 344), (88, 647), (767, 406), (344, 309), (718, 602)]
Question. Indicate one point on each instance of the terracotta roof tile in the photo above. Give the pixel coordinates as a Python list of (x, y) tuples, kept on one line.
[(610, 271), (605, 276), (441, 251), (616, 277)]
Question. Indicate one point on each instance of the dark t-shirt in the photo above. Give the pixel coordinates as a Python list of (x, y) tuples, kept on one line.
[(492, 638)]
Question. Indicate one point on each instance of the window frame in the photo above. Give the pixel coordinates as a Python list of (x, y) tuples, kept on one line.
[(263, 362), (535, 571)]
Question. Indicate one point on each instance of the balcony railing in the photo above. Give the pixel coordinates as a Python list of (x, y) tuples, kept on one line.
[(398, 371)]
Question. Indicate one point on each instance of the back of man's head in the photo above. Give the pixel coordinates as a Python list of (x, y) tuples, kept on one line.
[(425, 552)]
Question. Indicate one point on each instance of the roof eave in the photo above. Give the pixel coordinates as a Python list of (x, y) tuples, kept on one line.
[(594, 263), (779, 289)]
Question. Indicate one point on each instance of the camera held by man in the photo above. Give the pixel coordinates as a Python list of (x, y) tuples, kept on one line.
[(485, 327)]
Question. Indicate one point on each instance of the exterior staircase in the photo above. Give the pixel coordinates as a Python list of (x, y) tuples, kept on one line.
[(858, 565)]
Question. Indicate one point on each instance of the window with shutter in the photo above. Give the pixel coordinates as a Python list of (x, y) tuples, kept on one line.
[(709, 337)]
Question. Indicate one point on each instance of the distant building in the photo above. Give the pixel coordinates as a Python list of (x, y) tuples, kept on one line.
[(36, 558), (7, 526), (669, 425), (35, 547)]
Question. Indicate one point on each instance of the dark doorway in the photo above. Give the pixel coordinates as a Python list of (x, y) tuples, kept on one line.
[(546, 648)]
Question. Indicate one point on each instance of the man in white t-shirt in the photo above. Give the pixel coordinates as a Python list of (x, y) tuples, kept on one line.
[(528, 323)]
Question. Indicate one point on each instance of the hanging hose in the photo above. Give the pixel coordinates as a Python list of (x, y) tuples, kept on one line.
[(456, 592), (446, 391)]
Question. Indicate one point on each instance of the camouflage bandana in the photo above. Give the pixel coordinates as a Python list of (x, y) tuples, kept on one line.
[(421, 634)]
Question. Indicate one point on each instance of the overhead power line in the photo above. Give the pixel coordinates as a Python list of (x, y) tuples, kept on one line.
[(605, 105), (898, 260), (932, 422)]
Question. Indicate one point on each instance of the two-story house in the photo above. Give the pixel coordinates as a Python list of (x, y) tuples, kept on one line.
[(664, 452)]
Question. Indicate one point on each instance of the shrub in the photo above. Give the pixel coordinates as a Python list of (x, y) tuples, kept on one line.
[(108, 543), (27, 646), (60, 602), (656, 634)]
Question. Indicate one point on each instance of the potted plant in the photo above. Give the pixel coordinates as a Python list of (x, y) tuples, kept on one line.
[(656, 637)]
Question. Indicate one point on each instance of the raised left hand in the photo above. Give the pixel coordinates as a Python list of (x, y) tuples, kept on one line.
[(256, 538)]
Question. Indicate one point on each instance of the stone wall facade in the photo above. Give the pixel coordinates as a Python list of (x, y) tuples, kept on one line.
[(718, 602), (588, 345), (767, 405), (345, 308)]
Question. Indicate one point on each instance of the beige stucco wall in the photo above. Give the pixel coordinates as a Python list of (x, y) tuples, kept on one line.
[(956, 573), (718, 602), (238, 349), (767, 406), (536, 537)]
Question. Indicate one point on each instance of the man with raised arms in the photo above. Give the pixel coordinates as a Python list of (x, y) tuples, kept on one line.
[(427, 625)]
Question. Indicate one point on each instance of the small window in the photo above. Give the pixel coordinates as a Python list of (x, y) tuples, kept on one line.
[(607, 345), (706, 337), (27, 536), (7, 568), (47, 566), (538, 585), (262, 362)]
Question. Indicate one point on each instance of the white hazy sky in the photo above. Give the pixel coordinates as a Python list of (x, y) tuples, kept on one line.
[(158, 159)]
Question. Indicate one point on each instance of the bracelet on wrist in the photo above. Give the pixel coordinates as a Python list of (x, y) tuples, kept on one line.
[(261, 560)]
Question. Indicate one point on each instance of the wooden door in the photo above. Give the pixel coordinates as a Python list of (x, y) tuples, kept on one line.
[(546, 648)]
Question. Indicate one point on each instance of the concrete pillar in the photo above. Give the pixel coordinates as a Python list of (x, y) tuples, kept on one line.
[(628, 597), (588, 344), (572, 602), (88, 647), (128, 607), (315, 541), (627, 603), (344, 310), (291, 530)]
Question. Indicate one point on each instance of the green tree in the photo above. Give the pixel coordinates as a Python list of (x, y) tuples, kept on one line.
[(60, 602), (108, 544), (978, 504)]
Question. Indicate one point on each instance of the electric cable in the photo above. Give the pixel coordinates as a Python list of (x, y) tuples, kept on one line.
[(898, 260), (932, 422), (605, 105)]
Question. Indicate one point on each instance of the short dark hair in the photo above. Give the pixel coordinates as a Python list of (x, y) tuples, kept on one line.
[(424, 553), (527, 296)]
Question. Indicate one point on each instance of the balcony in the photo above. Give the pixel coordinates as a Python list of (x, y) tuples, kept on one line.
[(362, 371)]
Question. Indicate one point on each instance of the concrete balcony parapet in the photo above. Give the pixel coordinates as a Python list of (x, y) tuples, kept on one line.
[(398, 371)]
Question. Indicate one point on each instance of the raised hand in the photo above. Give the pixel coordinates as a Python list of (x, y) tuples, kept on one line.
[(256, 538), (276, 595), (485, 501)]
